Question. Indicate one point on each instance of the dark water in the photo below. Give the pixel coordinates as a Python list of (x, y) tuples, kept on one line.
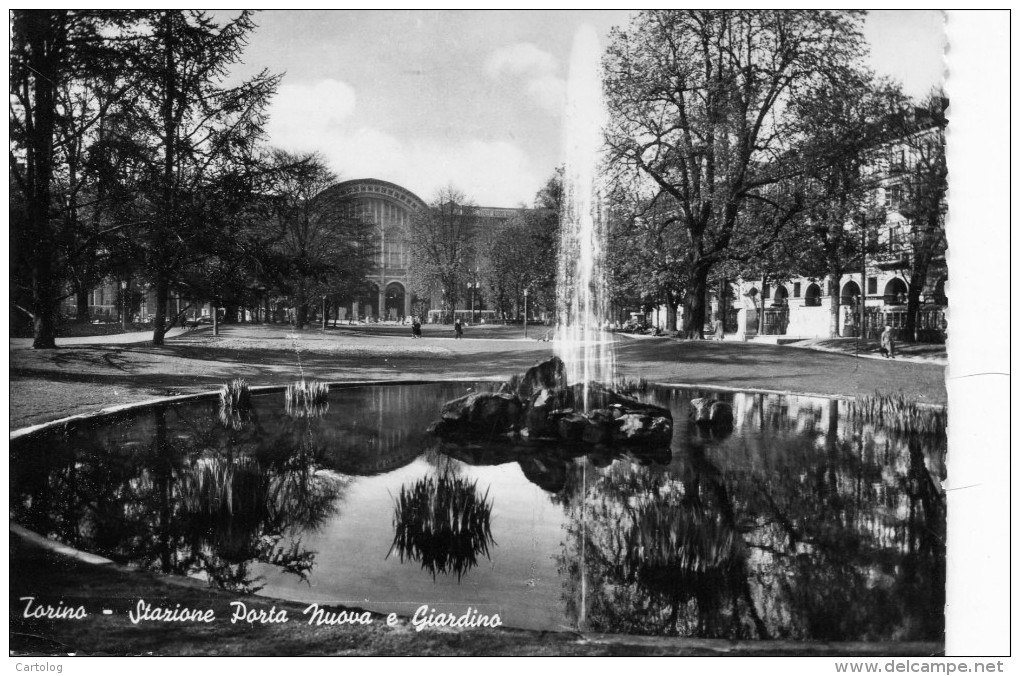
[(801, 524)]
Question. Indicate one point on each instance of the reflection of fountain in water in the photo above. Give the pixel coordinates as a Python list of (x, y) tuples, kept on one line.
[(582, 296)]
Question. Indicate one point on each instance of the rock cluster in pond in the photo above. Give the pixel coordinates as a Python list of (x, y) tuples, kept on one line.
[(712, 413), (541, 405)]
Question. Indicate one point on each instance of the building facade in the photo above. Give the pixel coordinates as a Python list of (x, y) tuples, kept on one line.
[(800, 307)]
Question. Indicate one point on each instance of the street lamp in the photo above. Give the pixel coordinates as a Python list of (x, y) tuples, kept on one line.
[(124, 304), (525, 314)]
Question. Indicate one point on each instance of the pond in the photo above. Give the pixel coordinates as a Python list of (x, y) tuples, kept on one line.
[(804, 523)]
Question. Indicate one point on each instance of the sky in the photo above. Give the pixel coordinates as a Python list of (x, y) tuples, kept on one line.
[(470, 99)]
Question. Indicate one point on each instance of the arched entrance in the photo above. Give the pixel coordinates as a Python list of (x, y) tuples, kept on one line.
[(939, 297), (849, 297), (895, 292), (780, 297), (813, 296), (366, 306), (850, 294), (395, 300)]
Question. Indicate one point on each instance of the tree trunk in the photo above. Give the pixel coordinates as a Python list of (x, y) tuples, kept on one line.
[(45, 42), (835, 275), (81, 302), (672, 303), (694, 303), (917, 279), (761, 310), (159, 325)]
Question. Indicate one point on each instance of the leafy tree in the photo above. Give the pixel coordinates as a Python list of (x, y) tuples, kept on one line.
[(699, 103), (924, 187), (197, 133), (442, 241), (646, 265), (845, 121), (515, 257), (49, 50)]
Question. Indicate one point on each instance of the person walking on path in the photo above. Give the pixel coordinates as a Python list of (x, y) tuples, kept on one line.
[(458, 329), (886, 343), (415, 328)]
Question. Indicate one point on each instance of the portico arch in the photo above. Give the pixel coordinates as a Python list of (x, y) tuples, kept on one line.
[(850, 294), (895, 292), (397, 302), (813, 296)]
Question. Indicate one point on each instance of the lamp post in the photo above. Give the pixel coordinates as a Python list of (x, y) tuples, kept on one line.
[(525, 313), (124, 305), (471, 287)]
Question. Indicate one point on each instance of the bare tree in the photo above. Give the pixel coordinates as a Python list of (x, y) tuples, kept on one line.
[(321, 246), (442, 240)]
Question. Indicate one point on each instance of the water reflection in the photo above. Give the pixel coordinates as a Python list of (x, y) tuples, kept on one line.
[(190, 489), (804, 523), (810, 529), (443, 523)]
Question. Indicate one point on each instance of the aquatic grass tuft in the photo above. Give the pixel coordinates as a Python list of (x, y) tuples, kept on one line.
[(443, 523), (235, 394), (307, 399), (898, 414), (631, 386), (235, 403)]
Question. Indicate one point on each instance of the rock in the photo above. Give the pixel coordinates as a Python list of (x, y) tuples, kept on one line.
[(596, 432), (549, 375), (540, 405), (537, 416), (490, 413), (549, 474), (571, 426), (712, 412), (637, 428)]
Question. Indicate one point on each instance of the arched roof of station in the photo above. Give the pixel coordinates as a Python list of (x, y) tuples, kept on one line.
[(373, 187)]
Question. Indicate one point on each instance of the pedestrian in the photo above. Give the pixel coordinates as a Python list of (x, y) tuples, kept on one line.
[(415, 328), (886, 346), (458, 329), (719, 330)]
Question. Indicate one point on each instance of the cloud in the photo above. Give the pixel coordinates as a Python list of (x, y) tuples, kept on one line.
[(301, 114), (521, 59), (322, 117), (534, 68), (492, 173)]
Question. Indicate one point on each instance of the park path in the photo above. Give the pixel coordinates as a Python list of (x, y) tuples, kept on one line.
[(86, 376)]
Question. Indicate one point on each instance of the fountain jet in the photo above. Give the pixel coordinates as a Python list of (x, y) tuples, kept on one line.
[(582, 342)]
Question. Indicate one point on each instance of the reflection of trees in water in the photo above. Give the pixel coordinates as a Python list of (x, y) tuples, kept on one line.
[(815, 529), (443, 524), (177, 504)]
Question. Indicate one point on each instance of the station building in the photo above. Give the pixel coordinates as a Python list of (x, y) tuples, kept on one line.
[(388, 296)]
